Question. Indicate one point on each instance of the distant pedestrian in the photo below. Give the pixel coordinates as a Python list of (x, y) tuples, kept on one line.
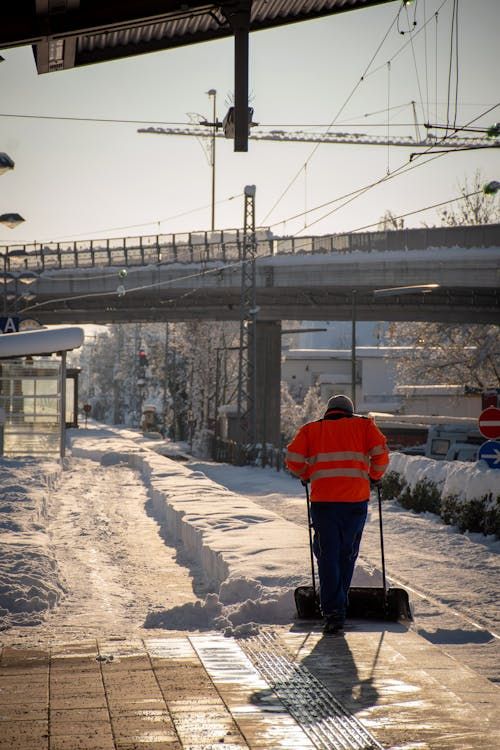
[(341, 454)]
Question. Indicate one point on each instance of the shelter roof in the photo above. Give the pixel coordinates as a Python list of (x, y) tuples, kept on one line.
[(41, 341), (70, 33)]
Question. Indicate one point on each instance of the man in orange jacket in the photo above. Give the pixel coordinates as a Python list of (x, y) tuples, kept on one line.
[(340, 454)]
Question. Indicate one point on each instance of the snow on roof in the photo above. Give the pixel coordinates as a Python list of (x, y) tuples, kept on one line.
[(40, 341), (422, 419), (431, 390), (361, 352), (348, 257)]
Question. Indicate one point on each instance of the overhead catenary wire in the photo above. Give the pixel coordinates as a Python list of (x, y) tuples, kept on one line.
[(105, 120), (415, 62), (416, 211), (346, 123), (406, 44), (343, 106), (448, 136), (363, 77), (436, 57), (406, 167), (388, 119), (426, 58), (450, 62), (457, 68), (354, 193), (364, 190), (64, 238)]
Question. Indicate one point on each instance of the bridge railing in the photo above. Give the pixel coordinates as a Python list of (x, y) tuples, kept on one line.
[(227, 245), (484, 235)]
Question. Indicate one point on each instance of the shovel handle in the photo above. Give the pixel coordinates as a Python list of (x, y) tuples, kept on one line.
[(309, 524), (384, 580)]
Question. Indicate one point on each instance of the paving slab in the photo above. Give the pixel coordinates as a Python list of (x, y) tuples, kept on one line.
[(404, 690), (289, 689)]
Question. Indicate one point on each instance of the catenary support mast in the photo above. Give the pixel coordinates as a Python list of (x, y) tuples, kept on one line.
[(247, 365)]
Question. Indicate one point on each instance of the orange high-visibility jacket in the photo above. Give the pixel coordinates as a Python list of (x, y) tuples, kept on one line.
[(339, 454)]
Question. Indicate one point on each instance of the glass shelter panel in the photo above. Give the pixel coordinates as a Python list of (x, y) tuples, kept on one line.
[(31, 407)]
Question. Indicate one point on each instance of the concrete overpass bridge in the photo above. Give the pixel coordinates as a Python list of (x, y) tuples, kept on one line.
[(198, 276)]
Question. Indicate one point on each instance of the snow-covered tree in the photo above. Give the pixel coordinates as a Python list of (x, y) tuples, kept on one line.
[(445, 354), (291, 413), (296, 412), (452, 354), (313, 406), (475, 207), (389, 221), (175, 372), (197, 343)]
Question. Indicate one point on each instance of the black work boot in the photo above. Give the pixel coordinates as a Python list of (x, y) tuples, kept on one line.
[(333, 624)]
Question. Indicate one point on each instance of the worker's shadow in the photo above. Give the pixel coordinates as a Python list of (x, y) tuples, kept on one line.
[(332, 663)]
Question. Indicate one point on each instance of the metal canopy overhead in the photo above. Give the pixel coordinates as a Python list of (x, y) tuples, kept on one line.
[(69, 33)]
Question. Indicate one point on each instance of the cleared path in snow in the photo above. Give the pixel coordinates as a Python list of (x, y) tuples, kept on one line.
[(114, 564), (456, 575)]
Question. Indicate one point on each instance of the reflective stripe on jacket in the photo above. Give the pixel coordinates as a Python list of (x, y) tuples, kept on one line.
[(339, 455)]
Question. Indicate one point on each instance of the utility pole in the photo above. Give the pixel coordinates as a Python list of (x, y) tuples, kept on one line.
[(213, 95), (247, 365), (165, 375), (353, 345)]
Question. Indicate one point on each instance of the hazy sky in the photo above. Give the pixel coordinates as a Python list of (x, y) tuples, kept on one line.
[(78, 180)]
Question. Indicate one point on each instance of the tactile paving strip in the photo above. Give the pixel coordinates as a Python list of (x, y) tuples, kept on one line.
[(325, 721), (261, 716)]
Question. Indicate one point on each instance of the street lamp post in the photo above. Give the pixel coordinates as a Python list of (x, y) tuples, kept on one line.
[(353, 346), (212, 93)]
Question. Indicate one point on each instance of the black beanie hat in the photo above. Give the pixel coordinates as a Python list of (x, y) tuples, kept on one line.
[(343, 403)]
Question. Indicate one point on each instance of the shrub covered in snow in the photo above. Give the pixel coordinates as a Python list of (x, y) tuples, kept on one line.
[(478, 514), (392, 486), (424, 496), (466, 495)]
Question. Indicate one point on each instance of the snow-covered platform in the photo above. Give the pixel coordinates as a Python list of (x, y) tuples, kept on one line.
[(282, 686), (375, 688)]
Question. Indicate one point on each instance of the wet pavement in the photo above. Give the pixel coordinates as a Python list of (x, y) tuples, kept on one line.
[(289, 689)]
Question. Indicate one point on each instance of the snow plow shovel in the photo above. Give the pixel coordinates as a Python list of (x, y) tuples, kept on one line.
[(365, 602)]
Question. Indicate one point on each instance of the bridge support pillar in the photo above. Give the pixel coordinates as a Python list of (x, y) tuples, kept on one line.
[(268, 380)]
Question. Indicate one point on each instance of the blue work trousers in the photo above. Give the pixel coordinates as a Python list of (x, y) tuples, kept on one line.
[(338, 528)]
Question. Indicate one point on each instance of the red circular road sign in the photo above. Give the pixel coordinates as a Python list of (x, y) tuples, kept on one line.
[(489, 422)]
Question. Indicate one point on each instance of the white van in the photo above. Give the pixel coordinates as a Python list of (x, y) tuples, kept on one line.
[(451, 442)]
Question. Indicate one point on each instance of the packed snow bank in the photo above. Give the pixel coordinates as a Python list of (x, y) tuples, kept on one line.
[(229, 534), (467, 480), (466, 495), (29, 576), (252, 559)]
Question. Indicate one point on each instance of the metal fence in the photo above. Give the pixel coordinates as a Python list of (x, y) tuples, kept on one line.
[(226, 246), (239, 454)]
